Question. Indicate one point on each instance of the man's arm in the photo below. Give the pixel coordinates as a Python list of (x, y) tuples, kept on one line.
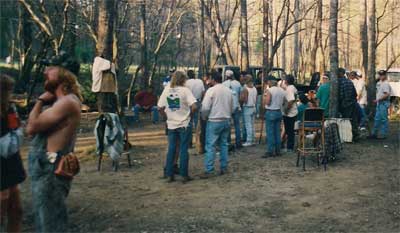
[(243, 96), (43, 121), (267, 98), (206, 105)]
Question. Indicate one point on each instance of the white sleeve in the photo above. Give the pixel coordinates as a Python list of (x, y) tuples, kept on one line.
[(206, 105), (289, 94), (386, 88), (162, 101), (189, 97), (101, 64)]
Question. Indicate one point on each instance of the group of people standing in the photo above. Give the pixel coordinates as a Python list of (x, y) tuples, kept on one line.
[(234, 101), (220, 103)]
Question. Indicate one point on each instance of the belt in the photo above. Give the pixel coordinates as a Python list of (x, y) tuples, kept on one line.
[(273, 110)]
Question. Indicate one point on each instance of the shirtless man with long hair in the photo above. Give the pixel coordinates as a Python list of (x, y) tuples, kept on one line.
[(54, 130)]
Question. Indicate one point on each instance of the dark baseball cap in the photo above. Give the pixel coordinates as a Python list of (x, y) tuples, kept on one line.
[(62, 60), (382, 72)]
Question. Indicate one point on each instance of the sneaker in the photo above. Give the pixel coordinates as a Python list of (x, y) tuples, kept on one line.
[(171, 179), (278, 153), (222, 172), (247, 144), (372, 136), (186, 179)]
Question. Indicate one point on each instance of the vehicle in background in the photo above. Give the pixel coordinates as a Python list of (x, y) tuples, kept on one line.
[(278, 73), (394, 81), (222, 69)]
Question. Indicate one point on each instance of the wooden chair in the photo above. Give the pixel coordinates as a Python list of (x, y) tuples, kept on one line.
[(313, 122), (127, 145)]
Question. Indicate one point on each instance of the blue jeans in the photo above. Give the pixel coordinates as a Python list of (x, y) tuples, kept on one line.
[(138, 108), (273, 127), (184, 135), (217, 132), (49, 191), (244, 135), (249, 113), (381, 119), (236, 124), (363, 119), (258, 104)]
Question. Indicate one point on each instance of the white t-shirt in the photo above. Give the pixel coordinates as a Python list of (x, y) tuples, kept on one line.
[(251, 97), (99, 65), (361, 91), (277, 97), (291, 93), (219, 101), (196, 86), (177, 102), (381, 88)]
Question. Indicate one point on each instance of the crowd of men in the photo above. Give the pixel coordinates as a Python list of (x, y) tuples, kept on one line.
[(235, 101), (211, 104)]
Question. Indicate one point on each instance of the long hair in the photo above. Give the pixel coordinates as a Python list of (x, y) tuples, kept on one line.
[(6, 87), (178, 79), (69, 82)]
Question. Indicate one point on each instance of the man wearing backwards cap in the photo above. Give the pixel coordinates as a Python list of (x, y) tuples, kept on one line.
[(383, 91), (54, 136)]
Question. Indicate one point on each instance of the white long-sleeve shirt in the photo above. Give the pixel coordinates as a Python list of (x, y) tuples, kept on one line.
[(218, 102), (99, 65)]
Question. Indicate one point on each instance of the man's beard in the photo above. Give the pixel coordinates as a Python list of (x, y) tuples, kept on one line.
[(51, 86)]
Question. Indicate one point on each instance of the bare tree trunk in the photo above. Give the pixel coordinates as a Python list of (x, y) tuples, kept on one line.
[(244, 65), (72, 32), (265, 38), (371, 54), (105, 30), (202, 54), (283, 55), (296, 45), (364, 37), (348, 62), (317, 37), (333, 57), (143, 45), (25, 56)]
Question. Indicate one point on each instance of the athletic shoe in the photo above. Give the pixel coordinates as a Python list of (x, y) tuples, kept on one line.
[(247, 144)]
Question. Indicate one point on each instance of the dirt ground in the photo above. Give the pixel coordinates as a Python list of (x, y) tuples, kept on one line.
[(360, 192)]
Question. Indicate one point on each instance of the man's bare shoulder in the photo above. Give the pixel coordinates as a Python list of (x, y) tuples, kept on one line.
[(68, 102)]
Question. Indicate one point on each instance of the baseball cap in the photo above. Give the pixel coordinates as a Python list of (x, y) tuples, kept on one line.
[(382, 72), (63, 60), (229, 73)]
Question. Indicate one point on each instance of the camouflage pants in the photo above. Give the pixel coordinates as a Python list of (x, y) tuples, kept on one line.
[(48, 194)]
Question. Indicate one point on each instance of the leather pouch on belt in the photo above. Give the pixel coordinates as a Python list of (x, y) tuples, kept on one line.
[(67, 166)]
